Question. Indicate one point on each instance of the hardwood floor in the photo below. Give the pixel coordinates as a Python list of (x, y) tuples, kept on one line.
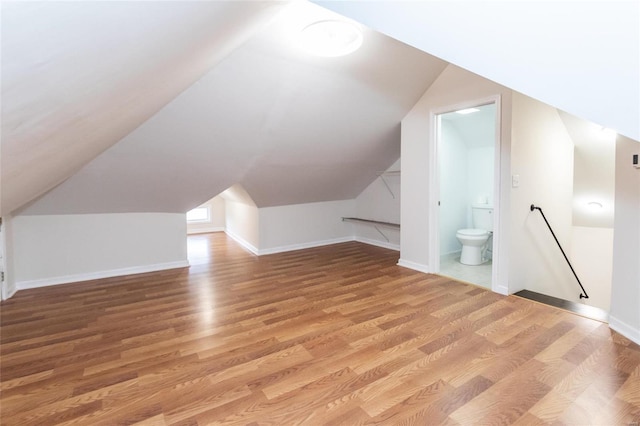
[(332, 335)]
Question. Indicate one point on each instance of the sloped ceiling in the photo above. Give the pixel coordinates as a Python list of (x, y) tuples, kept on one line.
[(94, 92), (580, 56), (79, 76), (290, 127)]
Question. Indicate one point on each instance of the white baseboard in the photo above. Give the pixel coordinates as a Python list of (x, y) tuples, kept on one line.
[(625, 329), (500, 289), (378, 243), (415, 266), (244, 243), (302, 246), (45, 282), (8, 291), (205, 230)]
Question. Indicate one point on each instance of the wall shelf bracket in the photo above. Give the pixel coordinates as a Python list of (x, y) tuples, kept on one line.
[(388, 173)]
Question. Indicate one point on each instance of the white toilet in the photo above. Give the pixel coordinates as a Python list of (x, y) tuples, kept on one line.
[(475, 240)]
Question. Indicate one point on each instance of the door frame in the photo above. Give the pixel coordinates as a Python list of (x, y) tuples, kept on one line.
[(434, 188), (4, 293)]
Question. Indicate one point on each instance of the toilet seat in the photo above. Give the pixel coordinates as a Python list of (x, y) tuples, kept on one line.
[(472, 232)]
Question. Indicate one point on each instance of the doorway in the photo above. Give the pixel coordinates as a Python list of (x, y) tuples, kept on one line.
[(467, 175)]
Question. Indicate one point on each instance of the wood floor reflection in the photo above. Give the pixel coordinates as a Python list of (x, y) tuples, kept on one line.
[(332, 335)]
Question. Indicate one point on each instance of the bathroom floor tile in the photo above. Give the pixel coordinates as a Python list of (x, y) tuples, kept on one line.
[(450, 266)]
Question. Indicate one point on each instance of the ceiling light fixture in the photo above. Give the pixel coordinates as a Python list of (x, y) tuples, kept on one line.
[(609, 133), (594, 206), (467, 111), (331, 38)]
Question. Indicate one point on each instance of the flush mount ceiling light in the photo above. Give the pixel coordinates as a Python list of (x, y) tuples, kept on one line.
[(609, 133), (594, 206), (331, 38), (602, 133), (467, 111)]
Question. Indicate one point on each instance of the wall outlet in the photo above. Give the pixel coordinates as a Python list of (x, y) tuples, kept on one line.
[(515, 181), (635, 161)]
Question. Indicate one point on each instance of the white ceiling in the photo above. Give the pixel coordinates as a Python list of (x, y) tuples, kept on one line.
[(581, 56), (158, 106), (290, 127)]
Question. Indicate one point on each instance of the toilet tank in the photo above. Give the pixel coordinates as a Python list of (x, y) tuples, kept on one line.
[(482, 216)]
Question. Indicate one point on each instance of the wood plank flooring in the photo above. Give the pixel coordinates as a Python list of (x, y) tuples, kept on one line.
[(336, 335)]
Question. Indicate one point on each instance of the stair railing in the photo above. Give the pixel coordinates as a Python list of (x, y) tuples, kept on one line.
[(583, 295)]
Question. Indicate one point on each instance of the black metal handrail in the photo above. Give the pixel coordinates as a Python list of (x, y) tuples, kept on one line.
[(583, 295)]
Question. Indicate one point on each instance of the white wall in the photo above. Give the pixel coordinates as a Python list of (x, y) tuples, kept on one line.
[(376, 202), (536, 147), (9, 288), (542, 157), (480, 177), (216, 220), (276, 229), (454, 187), (300, 226), (592, 258), (624, 316), (49, 250), (594, 181), (454, 87), (243, 224)]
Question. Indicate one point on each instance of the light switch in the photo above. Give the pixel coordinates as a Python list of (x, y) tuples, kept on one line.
[(515, 181)]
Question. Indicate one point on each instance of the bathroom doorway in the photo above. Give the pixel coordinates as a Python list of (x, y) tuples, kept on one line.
[(467, 155)]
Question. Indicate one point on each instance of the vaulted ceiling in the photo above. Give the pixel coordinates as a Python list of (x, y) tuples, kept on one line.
[(289, 126), (79, 76), (580, 56), (157, 106)]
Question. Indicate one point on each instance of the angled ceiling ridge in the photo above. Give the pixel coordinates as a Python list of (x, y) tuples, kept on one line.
[(236, 193)]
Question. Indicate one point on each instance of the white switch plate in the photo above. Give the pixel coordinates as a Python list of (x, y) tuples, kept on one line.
[(515, 181)]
